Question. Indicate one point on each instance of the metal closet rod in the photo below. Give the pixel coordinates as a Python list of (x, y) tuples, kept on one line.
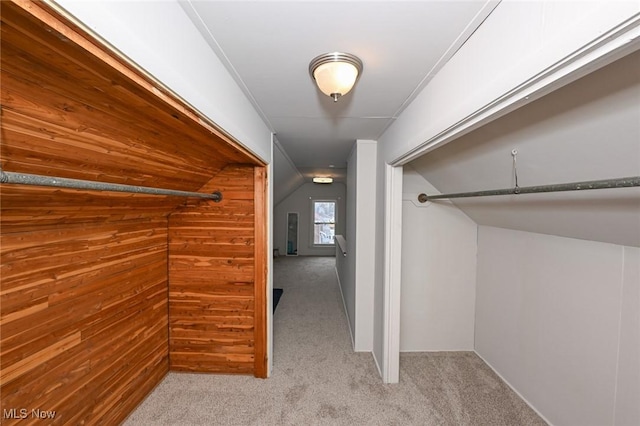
[(39, 180), (574, 186)]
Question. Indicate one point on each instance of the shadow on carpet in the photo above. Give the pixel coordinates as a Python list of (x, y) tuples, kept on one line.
[(277, 294)]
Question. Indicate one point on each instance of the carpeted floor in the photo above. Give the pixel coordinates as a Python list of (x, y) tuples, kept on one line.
[(318, 380)]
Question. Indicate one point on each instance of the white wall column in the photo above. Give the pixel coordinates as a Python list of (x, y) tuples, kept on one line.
[(392, 274)]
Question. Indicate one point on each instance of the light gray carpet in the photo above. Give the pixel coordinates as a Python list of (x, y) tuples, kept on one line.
[(317, 379)]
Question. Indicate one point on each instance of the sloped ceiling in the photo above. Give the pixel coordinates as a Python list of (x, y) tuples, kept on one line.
[(286, 177), (71, 109), (588, 130), (267, 47)]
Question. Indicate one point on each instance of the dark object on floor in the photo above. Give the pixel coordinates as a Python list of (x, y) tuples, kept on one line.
[(277, 293)]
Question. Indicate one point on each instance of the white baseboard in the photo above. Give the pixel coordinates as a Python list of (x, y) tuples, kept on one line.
[(435, 350), (346, 313), (375, 360), (514, 389)]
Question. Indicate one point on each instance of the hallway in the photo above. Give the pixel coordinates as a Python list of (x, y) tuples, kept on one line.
[(317, 379)]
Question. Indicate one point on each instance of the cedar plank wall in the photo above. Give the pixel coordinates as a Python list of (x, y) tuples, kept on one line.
[(211, 279), (83, 309), (84, 281)]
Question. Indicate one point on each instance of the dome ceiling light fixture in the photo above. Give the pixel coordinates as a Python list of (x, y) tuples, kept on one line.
[(322, 180), (335, 73)]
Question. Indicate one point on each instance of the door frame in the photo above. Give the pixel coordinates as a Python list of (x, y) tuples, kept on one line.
[(392, 274), (261, 359)]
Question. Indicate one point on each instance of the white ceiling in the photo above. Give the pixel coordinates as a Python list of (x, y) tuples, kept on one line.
[(267, 46)]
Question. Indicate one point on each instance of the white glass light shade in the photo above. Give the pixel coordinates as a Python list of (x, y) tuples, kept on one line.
[(335, 77), (335, 73), (322, 180)]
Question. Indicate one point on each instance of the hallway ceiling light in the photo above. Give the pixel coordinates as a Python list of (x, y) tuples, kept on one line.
[(322, 180), (335, 73)]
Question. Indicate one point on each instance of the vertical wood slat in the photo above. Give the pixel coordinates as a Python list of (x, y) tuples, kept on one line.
[(212, 278)]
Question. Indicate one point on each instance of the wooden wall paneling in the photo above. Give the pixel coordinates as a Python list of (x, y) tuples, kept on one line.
[(95, 85), (85, 298), (83, 318), (75, 121), (84, 134), (23, 206), (63, 152), (212, 278)]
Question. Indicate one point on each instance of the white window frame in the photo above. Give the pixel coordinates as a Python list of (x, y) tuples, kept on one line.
[(313, 220)]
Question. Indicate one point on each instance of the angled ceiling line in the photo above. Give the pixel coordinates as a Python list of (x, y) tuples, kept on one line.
[(279, 147), (247, 43), (190, 10), (464, 36), (279, 197), (599, 52)]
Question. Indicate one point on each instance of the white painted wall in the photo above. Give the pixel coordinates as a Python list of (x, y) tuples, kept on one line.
[(286, 177), (379, 331), (347, 271), (557, 318), (160, 38), (586, 130), (388, 255), (300, 201), (365, 242), (549, 44), (357, 275), (438, 272), (627, 408)]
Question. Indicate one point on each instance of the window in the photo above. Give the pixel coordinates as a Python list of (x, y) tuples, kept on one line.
[(324, 221)]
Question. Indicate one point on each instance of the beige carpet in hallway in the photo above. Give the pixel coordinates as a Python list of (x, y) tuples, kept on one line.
[(318, 380)]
